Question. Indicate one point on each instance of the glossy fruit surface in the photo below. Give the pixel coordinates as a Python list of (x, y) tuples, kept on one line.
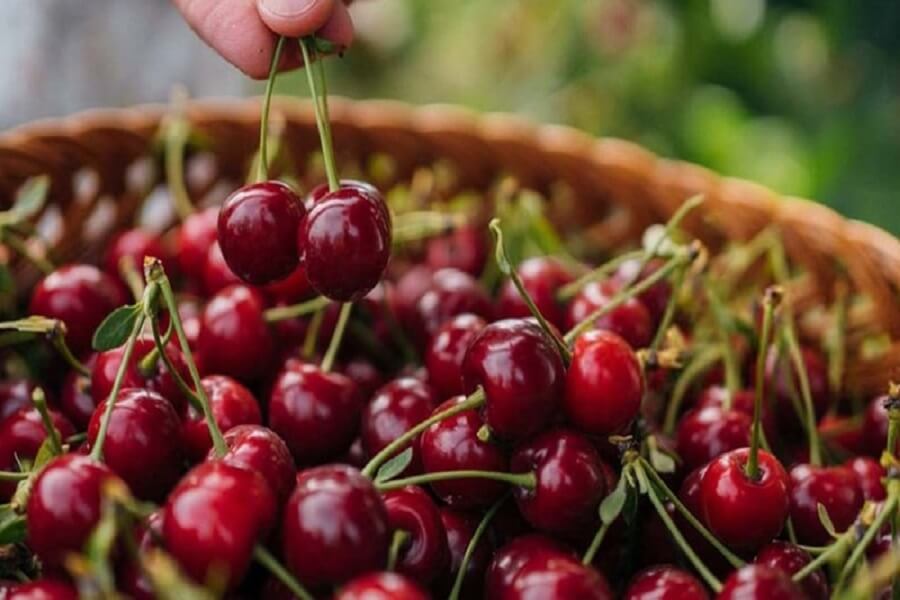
[(870, 475), (425, 554), (255, 448), (465, 248), (217, 275), (655, 298), (789, 559), (875, 426), (15, 394), (381, 586), (395, 409), (460, 527), (665, 583), (542, 277), (234, 337), (446, 351), (193, 239), (835, 488), (21, 436), (631, 320), (706, 433), (759, 582), (75, 398), (449, 292), (232, 404), (42, 589)]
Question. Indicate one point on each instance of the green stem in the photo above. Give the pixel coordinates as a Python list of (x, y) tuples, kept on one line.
[(129, 272), (58, 339), (40, 404), (569, 290), (723, 327), (790, 338), (525, 480), (838, 546), (266, 559), (262, 170), (893, 410), (420, 225), (336, 337), (701, 363), (397, 542), (308, 49), (176, 136), (771, 300), (471, 546), (837, 357), (282, 313), (312, 334), (176, 376), (13, 476), (888, 511), (21, 248), (669, 315), (591, 552)]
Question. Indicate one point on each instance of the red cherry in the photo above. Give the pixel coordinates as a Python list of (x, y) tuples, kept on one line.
[(542, 277), (257, 231), (193, 239), (446, 351), (460, 527), (80, 296), (875, 426), (789, 559), (745, 513), (465, 248), (450, 293), (292, 289), (780, 378), (521, 373), (64, 506), (690, 495), (604, 385), (321, 191), (317, 413), (130, 575), (665, 583), (511, 559), (425, 554), (870, 475), (75, 398), (367, 377), (135, 243), (232, 404), (214, 517), (759, 582), (835, 488), (217, 275), (15, 394), (656, 298), (334, 526), (41, 589), (234, 337), (706, 433), (717, 395), (255, 448), (631, 320), (21, 436), (381, 586), (844, 434), (409, 287)]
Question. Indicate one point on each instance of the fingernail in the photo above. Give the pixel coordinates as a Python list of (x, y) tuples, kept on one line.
[(287, 8)]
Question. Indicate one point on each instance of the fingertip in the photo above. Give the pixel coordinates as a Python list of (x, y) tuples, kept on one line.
[(296, 18), (339, 27)]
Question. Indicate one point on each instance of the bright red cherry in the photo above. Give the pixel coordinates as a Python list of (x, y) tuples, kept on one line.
[(15, 394), (381, 586), (425, 555), (449, 293), (760, 582), (604, 385), (80, 296), (465, 248), (135, 243), (743, 512), (789, 559), (41, 589), (541, 276), (460, 527), (631, 320), (234, 337), (232, 404), (193, 239), (835, 488), (394, 410), (521, 373), (217, 275), (255, 448), (334, 526), (257, 231), (446, 350), (656, 298), (870, 475), (706, 433), (21, 436), (665, 583)]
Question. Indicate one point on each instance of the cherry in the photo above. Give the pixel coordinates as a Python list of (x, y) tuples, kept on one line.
[(453, 445), (136, 244), (214, 517), (367, 377), (780, 378), (446, 350), (665, 583), (570, 482), (41, 589), (460, 527), (141, 443), (542, 278), (631, 320), (425, 555), (521, 373), (234, 337), (317, 413), (75, 398), (875, 426), (835, 488), (217, 275), (759, 582), (257, 231), (334, 526), (232, 404), (394, 410), (381, 586), (870, 475), (64, 506), (656, 298), (706, 433), (844, 434), (450, 292), (789, 559), (690, 495), (292, 289), (717, 395), (130, 575), (21, 436), (604, 384), (510, 560), (345, 242), (320, 192), (465, 248), (745, 513), (193, 239), (15, 394), (80, 296), (255, 448)]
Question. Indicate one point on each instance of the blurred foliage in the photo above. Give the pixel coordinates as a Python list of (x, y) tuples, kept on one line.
[(801, 95)]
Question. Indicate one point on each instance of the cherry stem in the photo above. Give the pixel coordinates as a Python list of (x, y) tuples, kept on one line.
[(597, 540), (335, 344), (282, 313), (669, 314), (702, 362), (175, 132), (837, 356), (479, 532), (770, 302), (57, 337), (475, 400), (185, 389), (888, 511), (320, 105), (39, 399), (131, 276), (20, 246), (312, 334), (13, 476), (838, 546), (724, 329), (570, 290), (262, 166), (525, 480), (266, 559), (893, 409), (399, 539)]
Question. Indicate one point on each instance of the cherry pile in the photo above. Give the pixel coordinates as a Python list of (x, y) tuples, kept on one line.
[(329, 395)]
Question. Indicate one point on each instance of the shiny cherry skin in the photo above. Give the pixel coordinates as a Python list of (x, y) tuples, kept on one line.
[(745, 513), (21, 436), (217, 275), (15, 394), (258, 449), (665, 583), (604, 384), (743, 401), (142, 444), (425, 555), (465, 248), (453, 445), (460, 527), (232, 404), (703, 434), (508, 562), (875, 426), (631, 320), (317, 413), (214, 517), (64, 506), (789, 559), (234, 337), (446, 350), (556, 577), (80, 296), (381, 586), (136, 244), (257, 231), (835, 488), (780, 378), (321, 192), (345, 243), (655, 298), (395, 409), (450, 292), (522, 375), (870, 475), (759, 582), (42, 589), (690, 496), (334, 526), (570, 482), (367, 377), (541, 276), (75, 398), (193, 239)]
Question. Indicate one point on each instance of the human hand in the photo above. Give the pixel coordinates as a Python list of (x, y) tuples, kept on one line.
[(244, 32)]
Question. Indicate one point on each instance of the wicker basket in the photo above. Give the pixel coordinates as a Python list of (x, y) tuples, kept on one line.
[(619, 188)]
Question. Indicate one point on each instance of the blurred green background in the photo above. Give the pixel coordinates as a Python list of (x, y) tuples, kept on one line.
[(803, 96)]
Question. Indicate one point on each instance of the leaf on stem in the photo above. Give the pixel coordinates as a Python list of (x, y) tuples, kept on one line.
[(116, 327), (612, 505), (12, 526), (826, 520), (394, 466)]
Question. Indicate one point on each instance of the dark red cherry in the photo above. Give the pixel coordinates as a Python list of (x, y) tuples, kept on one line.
[(717, 395), (257, 231), (15, 394), (745, 513), (521, 373), (334, 527), (142, 444), (656, 298), (292, 289), (604, 384), (465, 248), (193, 239), (450, 292), (367, 377), (345, 242), (136, 244), (381, 586), (759, 582), (631, 320), (425, 554), (255, 448), (21, 436), (80, 296), (460, 527), (64, 506), (234, 337), (844, 434), (446, 350), (553, 576), (870, 475), (780, 378), (509, 561), (542, 277), (453, 445), (665, 583), (835, 488), (408, 288), (875, 426), (706, 433), (214, 517), (394, 410), (789, 559), (317, 413), (75, 398), (41, 589), (321, 191), (232, 404), (570, 482), (690, 495), (217, 275)]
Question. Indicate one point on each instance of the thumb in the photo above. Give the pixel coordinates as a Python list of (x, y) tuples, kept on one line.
[(295, 18)]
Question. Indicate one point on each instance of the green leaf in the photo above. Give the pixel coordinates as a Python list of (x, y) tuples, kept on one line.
[(12, 526), (394, 466), (116, 327), (612, 505), (662, 462), (32, 324), (29, 201), (826, 520), (500, 252)]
